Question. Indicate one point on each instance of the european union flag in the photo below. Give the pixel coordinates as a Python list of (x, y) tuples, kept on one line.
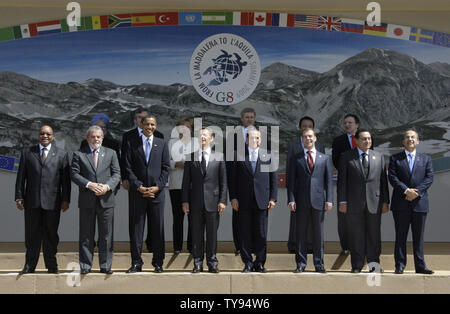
[(7, 163)]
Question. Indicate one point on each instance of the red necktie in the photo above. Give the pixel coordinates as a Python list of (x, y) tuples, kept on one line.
[(310, 162), (353, 142), (95, 158)]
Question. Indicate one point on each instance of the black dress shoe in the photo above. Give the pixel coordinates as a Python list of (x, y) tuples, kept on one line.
[(26, 270), (399, 270), (299, 270), (85, 271), (159, 269), (197, 269), (106, 271), (345, 252), (373, 270), (53, 271), (356, 270), (134, 269), (247, 269), (176, 252), (260, 269), (237, 252), (213, 270), (425, 271), (321, 270)]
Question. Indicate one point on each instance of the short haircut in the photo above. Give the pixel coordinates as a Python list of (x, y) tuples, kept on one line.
[(361, 131), (248, 110), (307, 130), (354, 116), (252, 128), (209, 130), (306, 118), (148, 117), (140, 110), (184, 120), (94, 128), (413, 130)]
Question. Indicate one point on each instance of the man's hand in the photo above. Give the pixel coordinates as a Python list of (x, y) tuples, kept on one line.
[(64, 206), (104, 189), (179, 164), (146, 192), (19, 204), (185, 207), (235, 204), (271, 205), (328, 206), (221, 208), (343, 208), (411, 194), (126, 184), (385, 208), (95, 187), (293, 207)]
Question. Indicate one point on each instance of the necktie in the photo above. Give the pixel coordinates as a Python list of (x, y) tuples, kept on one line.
[(410, 162), (310, 162), (44, 154), (95, 158), (353, 142), (254, 159), (203, 163), (365, 164), (148, 149)]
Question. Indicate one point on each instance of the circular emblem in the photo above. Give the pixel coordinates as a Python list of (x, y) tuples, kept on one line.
[(225, 69)]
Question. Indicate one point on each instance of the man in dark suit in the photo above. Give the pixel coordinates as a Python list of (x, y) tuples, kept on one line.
[(411, 175), (296, 149), (135, 135), (310, 196), (363, 195), (43, 189), (147, 164), (96, 171), (253, 193), (341, 144), (204, 197)]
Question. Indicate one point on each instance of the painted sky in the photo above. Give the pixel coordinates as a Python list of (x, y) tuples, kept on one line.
[(160, 55)]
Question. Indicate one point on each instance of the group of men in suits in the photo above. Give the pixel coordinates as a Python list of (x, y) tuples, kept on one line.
[(43, 189)]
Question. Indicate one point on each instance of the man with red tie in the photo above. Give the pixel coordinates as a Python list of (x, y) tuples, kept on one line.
[(340, 145)]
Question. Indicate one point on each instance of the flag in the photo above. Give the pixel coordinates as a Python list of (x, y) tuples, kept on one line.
[(375, 30), (7, 34), (23, 31), (217, 18), (306, 21), (167, 18), (7, 163), (119, 20), (330, 23), (262, 19), (66, 28), (398, 31), (441, 39), (190, 18), (352, 26), (97, 22), (143, 19), (237, 18), (283, 19), (421, 35), (48, 28)]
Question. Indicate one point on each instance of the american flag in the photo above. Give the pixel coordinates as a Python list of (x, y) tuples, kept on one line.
[(330, 23), (306, 21)]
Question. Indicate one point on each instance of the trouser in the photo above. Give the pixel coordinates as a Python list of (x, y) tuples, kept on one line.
[(303, 217), (178, 222), (202, 220)]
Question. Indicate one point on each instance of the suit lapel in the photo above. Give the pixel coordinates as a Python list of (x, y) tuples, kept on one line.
[(417, 161), (248, 163), (303, 162), (101, 157), (36, 153), (357, 162)]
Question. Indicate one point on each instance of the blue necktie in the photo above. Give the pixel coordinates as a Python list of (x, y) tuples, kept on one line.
[(410, 162), (148, 149)]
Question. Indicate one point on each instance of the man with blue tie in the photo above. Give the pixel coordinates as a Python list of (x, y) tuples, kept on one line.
[(253, 193), (310, 195), (411, 175)]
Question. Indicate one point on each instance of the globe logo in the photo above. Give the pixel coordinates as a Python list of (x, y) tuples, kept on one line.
[(224, 66), (225, 69)]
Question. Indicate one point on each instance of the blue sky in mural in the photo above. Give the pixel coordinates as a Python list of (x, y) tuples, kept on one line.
[(160, 55)]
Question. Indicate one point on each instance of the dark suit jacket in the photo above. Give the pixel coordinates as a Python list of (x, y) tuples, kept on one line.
[(308, 189), (401, 178), (139, 173), (340, 145), (202, 190), (107, 172), (134, 136), (43, 186), (358, 190), (245, 186)]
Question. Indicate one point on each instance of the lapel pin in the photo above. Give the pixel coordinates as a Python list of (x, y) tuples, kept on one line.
[(373, 157), (103, 155)]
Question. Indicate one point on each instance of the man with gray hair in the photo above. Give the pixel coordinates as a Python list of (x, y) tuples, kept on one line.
[(96, 171)]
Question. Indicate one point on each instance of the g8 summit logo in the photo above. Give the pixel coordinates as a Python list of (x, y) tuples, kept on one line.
[(225, 69)]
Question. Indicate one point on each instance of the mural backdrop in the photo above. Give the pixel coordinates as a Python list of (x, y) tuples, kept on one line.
[(392, 76)]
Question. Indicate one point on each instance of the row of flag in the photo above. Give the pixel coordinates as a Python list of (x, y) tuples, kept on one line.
[(9, 163), (228, 18)]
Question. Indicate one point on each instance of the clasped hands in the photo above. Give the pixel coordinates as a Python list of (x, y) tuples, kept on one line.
[(411, 194), (148, 191), (98, 188)]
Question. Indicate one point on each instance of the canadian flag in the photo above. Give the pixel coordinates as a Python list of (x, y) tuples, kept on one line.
[(253, 19)]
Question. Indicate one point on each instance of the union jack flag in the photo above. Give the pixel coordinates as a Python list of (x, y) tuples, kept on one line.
[(330, 23)]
